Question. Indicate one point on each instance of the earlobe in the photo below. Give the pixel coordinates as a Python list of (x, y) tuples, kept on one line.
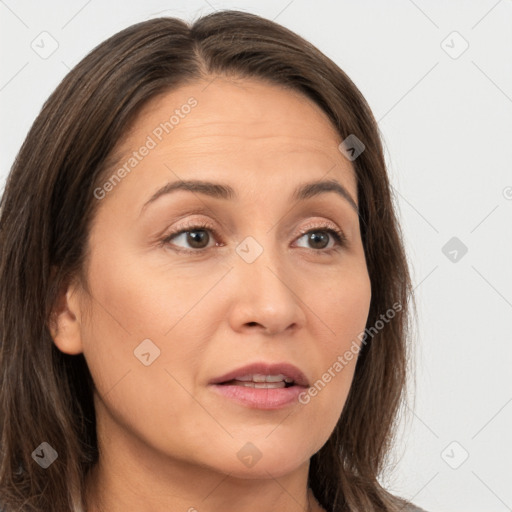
[(64, 323)]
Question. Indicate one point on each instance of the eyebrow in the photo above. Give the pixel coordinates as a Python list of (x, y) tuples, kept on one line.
[(226, 192)]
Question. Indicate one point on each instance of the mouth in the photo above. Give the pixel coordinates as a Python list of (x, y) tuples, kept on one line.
[(261, 381), (262, 385)]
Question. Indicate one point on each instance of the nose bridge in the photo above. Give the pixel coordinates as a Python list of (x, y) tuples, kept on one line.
[(264, 288), (262, 265)]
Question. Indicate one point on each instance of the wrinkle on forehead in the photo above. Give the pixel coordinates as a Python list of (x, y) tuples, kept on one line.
[(252, 125), (227, 107)]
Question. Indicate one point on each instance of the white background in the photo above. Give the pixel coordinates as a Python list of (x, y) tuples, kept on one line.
[(447, 128)]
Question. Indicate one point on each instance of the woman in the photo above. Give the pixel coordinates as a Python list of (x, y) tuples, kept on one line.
[(204, 292)]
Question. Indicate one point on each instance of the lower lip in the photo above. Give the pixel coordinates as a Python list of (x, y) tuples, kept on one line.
[(260, 398)]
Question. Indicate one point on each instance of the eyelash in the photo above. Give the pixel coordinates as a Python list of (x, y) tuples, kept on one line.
[(337, 234)]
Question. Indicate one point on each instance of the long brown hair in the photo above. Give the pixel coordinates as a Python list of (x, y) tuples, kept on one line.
[(45, 215)]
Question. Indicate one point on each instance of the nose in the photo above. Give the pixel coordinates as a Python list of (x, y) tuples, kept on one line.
[(265, 295)]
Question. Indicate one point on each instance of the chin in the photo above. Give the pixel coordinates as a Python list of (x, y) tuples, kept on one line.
[(263, 470), (260, 458)]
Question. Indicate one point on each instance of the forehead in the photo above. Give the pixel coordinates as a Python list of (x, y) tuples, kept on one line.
[(228, 104), (222, 127)]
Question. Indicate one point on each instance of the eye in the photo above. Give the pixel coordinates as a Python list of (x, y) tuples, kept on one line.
[(319, 238), (196, 236)]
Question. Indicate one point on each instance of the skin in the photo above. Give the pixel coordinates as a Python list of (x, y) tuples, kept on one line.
[(167, 441)]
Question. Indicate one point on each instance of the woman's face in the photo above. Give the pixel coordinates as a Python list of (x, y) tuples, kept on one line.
[(171, 312)]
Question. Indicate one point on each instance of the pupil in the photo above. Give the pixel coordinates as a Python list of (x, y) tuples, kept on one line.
[(198, 239), (316, 237)]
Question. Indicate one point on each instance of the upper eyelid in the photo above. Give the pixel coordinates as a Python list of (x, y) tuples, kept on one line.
[(323, 211), (200, 224)]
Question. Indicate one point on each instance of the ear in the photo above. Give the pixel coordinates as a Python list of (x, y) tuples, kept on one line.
[(64, 323)]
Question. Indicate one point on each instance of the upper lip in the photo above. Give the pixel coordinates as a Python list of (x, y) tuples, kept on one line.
[(286, 369)]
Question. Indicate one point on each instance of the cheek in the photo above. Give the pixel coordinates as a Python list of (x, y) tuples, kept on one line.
[(343, 307), (132, 303), (149, 295), (137, 319)]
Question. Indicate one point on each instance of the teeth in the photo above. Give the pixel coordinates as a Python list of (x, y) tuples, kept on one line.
[(261, 385), (258, 377)]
